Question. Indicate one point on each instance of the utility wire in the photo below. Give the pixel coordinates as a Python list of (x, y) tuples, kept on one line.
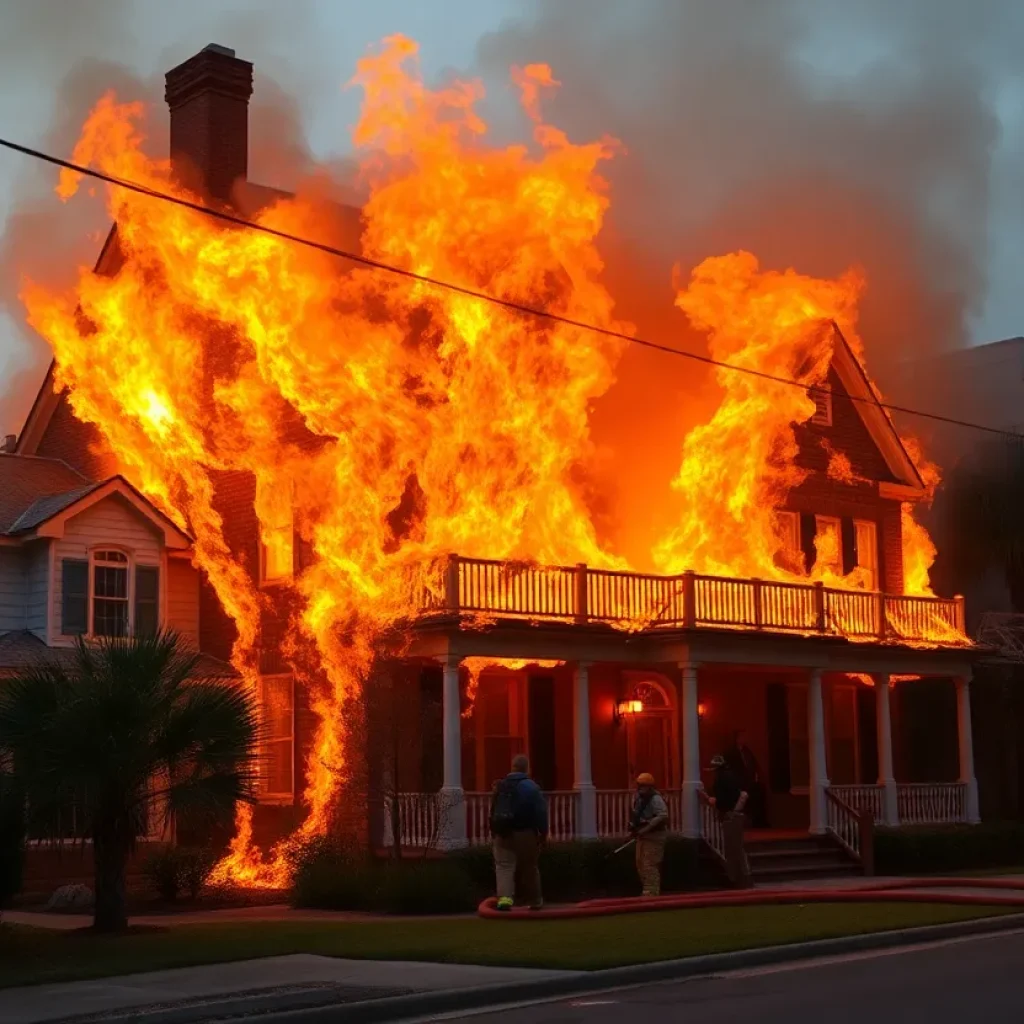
[(515, 307)]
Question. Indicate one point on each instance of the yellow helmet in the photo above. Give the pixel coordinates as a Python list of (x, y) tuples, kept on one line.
[(645, 779)]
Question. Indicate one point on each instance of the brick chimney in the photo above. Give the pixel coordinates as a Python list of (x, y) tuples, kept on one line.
[(208, 97)]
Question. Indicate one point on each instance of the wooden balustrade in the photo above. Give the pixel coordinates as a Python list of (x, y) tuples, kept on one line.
[(711, 826), (864, 798), (931, 803), (853, 829), (580, 594)]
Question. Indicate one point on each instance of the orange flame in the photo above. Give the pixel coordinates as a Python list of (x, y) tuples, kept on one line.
[(387, 422)]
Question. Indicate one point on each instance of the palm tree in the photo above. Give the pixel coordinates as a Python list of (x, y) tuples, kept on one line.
[(126, 729)]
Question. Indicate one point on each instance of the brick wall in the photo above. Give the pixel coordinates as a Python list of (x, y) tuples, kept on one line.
[(821, 495), (79, 444)]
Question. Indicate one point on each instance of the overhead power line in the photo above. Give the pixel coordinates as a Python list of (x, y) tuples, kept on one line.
[(516, 307)]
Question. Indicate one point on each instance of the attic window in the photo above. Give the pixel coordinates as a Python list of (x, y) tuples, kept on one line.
[(822, 398)]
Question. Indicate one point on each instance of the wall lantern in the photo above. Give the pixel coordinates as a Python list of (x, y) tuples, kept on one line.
[(625, 708), (702, 710)]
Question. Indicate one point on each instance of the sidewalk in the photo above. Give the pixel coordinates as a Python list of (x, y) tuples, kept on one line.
[(300, 980)]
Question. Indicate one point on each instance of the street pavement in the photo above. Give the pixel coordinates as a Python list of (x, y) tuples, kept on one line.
[(954, 982)]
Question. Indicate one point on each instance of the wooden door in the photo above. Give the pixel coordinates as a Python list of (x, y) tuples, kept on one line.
[(649, 737)]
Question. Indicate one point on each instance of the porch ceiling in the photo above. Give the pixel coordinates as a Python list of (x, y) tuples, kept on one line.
[(514, 638)]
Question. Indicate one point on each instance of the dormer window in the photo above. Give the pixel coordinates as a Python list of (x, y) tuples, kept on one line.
[(109, 593), (822, 398)]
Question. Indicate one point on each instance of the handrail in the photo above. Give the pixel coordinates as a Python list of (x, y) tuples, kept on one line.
[(853, 829), (581, 594), (710, 826)]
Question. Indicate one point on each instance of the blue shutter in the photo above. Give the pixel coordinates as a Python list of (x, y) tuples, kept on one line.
[(74, 608), (147, 600)]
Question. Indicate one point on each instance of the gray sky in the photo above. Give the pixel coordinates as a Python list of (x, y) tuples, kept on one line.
[(818, 132)]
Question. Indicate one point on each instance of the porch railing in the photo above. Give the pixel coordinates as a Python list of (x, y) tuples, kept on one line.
[(711, 826), (851, 828), (581, 594), (864, 798), (932, 803), (422, 816)]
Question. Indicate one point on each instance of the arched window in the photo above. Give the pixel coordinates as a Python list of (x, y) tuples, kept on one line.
[(109, 593)]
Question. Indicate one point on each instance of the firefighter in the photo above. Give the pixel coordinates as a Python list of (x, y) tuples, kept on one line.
[(648, 825)]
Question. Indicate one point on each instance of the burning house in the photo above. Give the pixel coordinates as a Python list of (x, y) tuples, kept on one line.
[(347, 483)]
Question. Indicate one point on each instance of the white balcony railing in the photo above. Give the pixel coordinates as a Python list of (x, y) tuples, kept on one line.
[(581, 594)]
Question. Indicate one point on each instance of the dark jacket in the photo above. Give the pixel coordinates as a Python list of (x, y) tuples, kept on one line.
[(727, 790), (531, 807)]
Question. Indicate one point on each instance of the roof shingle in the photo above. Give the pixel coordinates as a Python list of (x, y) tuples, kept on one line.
[(25, 480)]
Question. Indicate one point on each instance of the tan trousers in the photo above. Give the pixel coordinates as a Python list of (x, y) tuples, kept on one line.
[(736, 863), (516, 858), (650, 852)]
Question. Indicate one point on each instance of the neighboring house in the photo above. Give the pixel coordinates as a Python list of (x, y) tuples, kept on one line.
[(787, 663)]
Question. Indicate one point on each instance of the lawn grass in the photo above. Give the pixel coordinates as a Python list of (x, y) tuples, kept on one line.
[(31, 955)]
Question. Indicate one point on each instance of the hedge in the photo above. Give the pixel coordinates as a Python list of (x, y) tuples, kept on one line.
[(12, 841), (920, 850), (330, 878)]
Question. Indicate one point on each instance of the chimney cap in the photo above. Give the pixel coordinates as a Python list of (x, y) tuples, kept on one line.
[(217, 48)]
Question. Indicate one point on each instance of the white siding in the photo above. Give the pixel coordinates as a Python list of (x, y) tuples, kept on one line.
[(13, 589), (113, 523), (37, 574), (182, 596)]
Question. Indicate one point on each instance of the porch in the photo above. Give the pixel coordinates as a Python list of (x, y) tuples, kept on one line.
[(598, 675)]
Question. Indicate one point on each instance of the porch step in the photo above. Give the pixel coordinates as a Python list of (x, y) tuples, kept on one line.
[(786, 860)]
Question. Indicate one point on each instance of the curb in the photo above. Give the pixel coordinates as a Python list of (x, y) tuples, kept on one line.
[(424, 1004)]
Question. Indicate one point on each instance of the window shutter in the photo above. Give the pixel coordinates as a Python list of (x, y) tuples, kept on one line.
[(849, 546), (74, 609), (147, 600), (778, 738), (808, 531)]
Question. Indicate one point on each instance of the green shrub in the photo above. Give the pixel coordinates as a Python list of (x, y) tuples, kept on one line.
[(337, 879), (174, 869), (934, 849), (12, 840)]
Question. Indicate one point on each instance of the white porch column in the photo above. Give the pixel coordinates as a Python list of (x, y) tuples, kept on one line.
[(963, 718), (691, 752), (886, 776), (586, 807), (452, 797), (816, 742)]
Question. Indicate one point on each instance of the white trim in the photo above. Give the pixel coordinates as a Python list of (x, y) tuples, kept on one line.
[(55, 525), (875, 418), (872, 526), (898, 492)]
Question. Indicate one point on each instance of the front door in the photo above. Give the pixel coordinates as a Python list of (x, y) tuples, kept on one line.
[(649, 737)]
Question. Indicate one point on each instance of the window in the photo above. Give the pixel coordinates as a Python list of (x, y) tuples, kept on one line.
[(500, 716), (278, 705), (787, 530), (822, 398), (277, 535), (843, 769), (866, 541), (828, 543), (110, 593)]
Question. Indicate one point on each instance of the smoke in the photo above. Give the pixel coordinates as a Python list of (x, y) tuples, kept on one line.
[(815, 133), (46, 92)]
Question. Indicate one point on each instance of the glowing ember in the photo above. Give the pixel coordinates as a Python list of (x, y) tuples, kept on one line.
[(433, 422)]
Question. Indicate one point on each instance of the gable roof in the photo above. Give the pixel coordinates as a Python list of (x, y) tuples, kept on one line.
[(27, 479), (910, 486), (47, 517), (39, 495)]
